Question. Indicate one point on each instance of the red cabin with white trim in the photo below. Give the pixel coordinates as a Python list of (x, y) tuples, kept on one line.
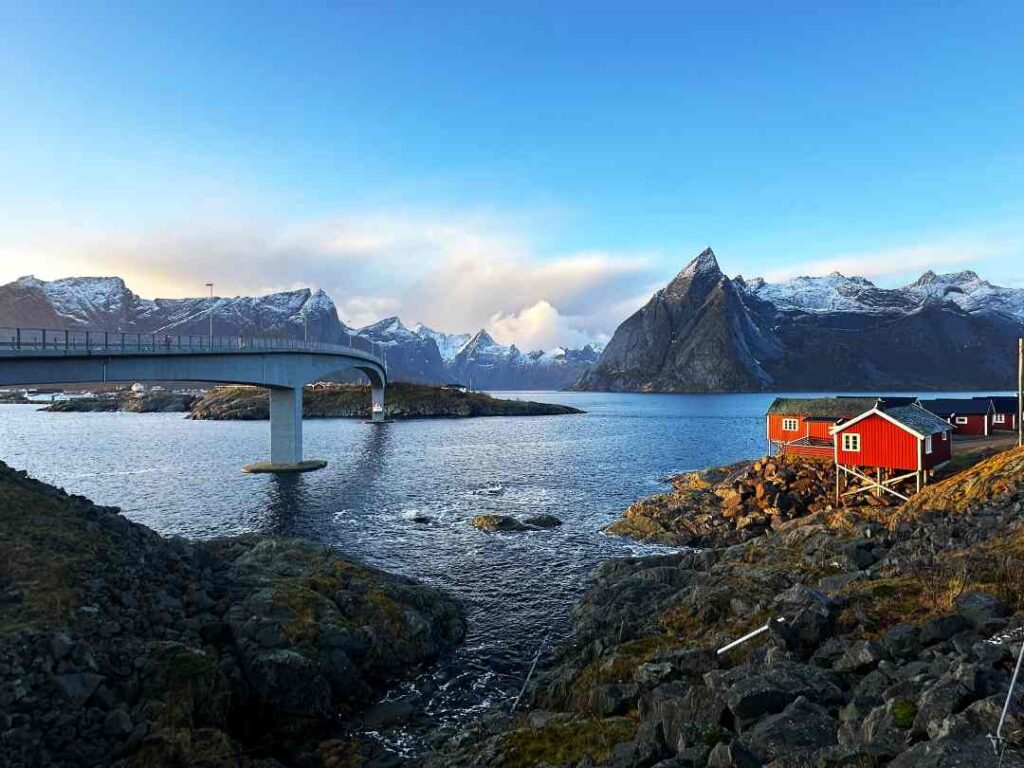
[(906, 438)]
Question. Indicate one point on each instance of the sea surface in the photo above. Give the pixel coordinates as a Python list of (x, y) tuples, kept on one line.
[(183, 477)]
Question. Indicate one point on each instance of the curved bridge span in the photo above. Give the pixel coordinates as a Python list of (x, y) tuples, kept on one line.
[(284, 366)]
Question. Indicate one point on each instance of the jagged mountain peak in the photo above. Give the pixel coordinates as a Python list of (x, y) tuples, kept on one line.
[(704, 263), (702, 272), (926, 279)]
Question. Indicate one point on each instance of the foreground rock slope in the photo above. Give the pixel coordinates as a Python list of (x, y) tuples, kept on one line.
[(403, 401), (892, 639), (121, 647)]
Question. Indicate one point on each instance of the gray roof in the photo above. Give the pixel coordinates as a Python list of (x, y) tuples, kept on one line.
[(822, 407), (918, 419)]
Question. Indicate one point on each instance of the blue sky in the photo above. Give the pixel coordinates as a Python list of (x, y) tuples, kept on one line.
[(471, 164)]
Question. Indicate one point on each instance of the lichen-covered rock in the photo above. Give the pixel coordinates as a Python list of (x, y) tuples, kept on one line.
[(125, 646)]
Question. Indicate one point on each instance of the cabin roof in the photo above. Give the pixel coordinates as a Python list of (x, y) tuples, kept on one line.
[(913, 418), (834, 408), (1003, 403), (822, 407), (918, 419), (964, 406)]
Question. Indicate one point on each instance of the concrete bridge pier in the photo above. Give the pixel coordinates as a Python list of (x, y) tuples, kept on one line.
[(377, 406), (286, 426)]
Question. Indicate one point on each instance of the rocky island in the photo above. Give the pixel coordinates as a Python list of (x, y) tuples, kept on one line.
[(150, 401), (891, 637), (122, 647), (404, 401)]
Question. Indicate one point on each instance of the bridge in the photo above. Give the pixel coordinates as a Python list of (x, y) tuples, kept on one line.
[(37, 356)]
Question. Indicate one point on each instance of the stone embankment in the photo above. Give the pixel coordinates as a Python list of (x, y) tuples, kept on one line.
[(404, 401), (121, 647), (892, 640)]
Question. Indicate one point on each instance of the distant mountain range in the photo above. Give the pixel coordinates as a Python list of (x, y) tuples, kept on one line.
[(417, 354), (705, 332)]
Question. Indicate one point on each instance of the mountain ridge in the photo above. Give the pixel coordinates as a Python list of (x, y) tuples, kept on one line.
[(706, 332), (418, 354)]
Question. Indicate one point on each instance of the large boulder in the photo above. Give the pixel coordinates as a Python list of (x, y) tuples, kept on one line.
[(758, 692), (800, 730)]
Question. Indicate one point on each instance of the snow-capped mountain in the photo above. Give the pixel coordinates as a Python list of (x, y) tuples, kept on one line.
[(418, 354), (409, 355), (486, 364), (707, 332), (838, 293), (106, 303), (448, 344)]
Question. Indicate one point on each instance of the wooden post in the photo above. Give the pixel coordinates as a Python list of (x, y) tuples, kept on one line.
[(1020, 391)]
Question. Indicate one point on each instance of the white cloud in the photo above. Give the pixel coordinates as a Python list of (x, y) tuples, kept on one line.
[(540, 326)]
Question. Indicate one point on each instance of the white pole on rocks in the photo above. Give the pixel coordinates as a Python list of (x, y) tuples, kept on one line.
[(1020, 391), (997, 740)]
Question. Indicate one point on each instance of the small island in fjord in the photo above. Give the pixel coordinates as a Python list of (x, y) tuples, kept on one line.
[(323, 401)]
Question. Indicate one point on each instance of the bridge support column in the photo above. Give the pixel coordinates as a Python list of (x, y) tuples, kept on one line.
[(377, 407), (286, 426)]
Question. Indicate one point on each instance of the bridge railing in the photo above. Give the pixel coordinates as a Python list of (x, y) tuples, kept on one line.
[(118, 342)]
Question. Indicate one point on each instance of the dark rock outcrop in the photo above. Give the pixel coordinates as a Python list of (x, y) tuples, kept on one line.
[(118, 646), (868, 661)]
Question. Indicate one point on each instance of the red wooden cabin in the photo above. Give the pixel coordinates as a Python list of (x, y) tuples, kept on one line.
[(802, 426), (895, 444), (1004, 413), (969, 416)]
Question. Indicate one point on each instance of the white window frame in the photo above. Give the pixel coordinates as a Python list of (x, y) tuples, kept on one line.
[(851, 442), (998, 418), (928, 444), (960, 420), (790, 424), (945, 435)]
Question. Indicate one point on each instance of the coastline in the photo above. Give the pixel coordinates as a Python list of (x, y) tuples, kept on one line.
[(336, 401), (145, 650), (891, 638)]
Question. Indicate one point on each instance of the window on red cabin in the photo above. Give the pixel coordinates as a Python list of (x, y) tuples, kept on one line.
[(960, 420), (928, 444), (851, 442), (999, 418), (790, 425)]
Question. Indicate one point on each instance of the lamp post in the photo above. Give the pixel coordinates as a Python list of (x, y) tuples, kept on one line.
[(210, 286)]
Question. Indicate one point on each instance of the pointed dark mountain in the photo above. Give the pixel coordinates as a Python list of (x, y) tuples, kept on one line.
[(708, 333), (694, 335)]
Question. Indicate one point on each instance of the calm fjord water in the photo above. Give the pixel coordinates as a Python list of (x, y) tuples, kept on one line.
[(183, 477)]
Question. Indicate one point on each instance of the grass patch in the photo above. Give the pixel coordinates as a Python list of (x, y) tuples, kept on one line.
[(903, 713), (567, 743)]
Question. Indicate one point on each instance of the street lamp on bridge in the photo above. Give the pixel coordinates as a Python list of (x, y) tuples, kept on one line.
[(210, 286)]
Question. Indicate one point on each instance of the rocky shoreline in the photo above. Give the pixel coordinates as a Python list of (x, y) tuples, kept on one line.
[(152, 401), (892, 636), (352, 401), (334, 401), (122, 647)]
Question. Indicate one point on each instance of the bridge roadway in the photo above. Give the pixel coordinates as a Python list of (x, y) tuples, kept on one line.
[(34, 356)]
